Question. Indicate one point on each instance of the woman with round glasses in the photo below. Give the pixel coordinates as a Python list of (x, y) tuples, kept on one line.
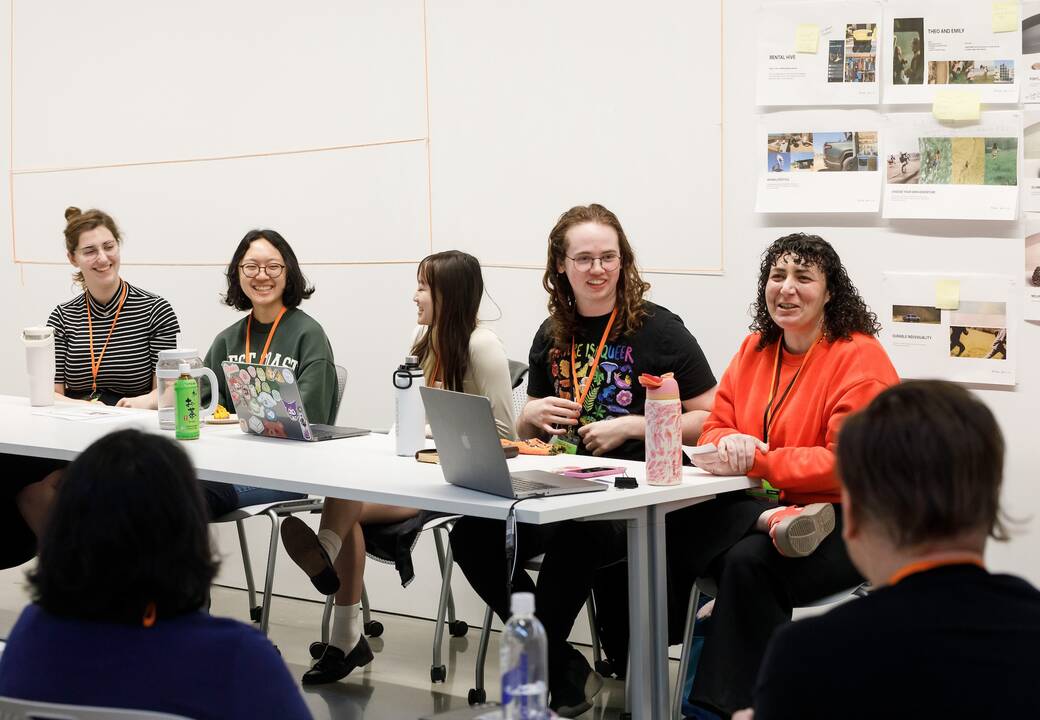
[(264, 278), (584, 394)]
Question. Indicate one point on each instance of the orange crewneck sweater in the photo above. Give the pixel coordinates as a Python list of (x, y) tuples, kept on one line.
[(839, 378)]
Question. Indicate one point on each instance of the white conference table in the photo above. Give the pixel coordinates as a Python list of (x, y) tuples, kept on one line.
[(365, 468)]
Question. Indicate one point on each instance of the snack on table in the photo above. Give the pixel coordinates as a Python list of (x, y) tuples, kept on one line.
[(534, 446), (221, 413)]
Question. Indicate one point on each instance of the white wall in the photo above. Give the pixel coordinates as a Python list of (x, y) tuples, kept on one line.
[(528, 109)]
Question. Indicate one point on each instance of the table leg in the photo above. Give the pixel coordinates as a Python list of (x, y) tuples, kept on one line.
[(641, 666), (655, 528)]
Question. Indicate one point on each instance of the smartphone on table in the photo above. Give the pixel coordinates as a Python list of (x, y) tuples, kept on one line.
[(590, 472)]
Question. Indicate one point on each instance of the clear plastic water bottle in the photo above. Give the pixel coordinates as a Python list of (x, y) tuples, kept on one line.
[(524, 660)]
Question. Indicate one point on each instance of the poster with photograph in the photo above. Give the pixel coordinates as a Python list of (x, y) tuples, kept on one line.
[(1031, 52), (975, 343), (1031, 160), (1031, 304), (842, 71), (934, 44), (819, 161), (935, 171)]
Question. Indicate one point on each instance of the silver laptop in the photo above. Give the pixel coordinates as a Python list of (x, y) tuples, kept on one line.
[(471, 454), (267, 400)]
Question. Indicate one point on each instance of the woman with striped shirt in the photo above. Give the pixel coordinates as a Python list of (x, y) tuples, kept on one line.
[(107, 340), (106, 343)]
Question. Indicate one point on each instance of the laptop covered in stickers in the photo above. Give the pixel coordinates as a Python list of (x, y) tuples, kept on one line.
[(267, 400)]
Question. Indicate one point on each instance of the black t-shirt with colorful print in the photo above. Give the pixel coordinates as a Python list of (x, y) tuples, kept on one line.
[(662, 344)]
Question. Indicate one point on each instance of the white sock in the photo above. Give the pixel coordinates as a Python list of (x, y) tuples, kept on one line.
[(346, 626), (331, 542)]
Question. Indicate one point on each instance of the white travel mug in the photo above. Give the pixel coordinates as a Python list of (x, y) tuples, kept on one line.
[(39, 361)]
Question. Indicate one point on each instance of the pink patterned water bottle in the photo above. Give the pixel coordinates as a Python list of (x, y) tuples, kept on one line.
[(663, 429)]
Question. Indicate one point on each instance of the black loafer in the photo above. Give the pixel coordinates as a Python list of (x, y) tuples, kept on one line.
[(301, 543), (334, 665), (574, 687)]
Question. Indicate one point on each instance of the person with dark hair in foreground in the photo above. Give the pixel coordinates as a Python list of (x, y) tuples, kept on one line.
[(125, 566), (940, 636)]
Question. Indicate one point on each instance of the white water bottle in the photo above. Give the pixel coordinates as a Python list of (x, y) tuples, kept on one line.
[(409, 413), (39, 362), (523, 652)]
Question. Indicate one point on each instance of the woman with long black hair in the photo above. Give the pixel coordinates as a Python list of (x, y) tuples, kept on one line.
[(456, 354)]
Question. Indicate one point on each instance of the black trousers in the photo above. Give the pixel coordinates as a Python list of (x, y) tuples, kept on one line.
[(574, 551), (758, 588), (17, 541)]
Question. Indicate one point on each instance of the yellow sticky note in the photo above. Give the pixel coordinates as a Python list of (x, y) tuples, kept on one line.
[(807, 38), (947, 294), (1005, 16), (956, 105)]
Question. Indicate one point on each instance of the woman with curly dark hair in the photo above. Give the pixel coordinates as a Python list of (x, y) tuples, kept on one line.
[(601, 334), (812, 359)]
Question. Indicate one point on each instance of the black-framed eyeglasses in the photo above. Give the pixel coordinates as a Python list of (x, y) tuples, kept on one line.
[(608, 261), (251, 269)]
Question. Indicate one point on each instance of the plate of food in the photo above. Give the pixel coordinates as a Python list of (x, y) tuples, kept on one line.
[(221, 416)]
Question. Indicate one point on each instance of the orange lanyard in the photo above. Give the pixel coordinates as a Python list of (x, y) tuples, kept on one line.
[(95, 365), (771, 413), (579, 397), (270, 335), (924, 565)]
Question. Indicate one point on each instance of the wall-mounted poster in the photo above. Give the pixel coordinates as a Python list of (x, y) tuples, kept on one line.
[(842, 71), (819, 161), (969, 172), (1031, 304), (937, 44), (1030, 72), (975, 343), (1031, 160)]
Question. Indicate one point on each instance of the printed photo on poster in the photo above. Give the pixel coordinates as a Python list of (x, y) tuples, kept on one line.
[(965, 172), (937, 44), (843, 71), (797, 162), (974, 343), (979, 330)]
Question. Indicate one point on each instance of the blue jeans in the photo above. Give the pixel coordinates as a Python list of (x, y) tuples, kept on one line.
[(222, 498)]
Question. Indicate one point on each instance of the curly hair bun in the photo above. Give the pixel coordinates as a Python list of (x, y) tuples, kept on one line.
[(72, 211)]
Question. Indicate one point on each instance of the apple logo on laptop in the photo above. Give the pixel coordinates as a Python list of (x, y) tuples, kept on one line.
[(465, 442)]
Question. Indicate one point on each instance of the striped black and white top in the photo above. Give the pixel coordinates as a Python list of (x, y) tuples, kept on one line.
[(147, 324)]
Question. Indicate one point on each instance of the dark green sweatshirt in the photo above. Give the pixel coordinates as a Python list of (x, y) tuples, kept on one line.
[(299, 344)]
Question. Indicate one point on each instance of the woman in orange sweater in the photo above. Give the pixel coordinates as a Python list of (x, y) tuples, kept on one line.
[(811, 359)]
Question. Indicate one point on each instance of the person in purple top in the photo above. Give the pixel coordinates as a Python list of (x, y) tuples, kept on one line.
[(117, 620)]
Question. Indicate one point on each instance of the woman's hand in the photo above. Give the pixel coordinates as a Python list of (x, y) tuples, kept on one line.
[(735, 455), (603, 436), (544, 413), (141, 402), (738, 450)]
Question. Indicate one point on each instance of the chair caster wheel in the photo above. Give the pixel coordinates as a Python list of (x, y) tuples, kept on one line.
[(373, 628), (476, 697), (317, 649), (604, 668), (438, 673), (459, 628), (255, 613)]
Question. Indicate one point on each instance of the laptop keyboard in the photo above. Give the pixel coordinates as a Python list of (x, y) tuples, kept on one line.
[(525, 486)]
